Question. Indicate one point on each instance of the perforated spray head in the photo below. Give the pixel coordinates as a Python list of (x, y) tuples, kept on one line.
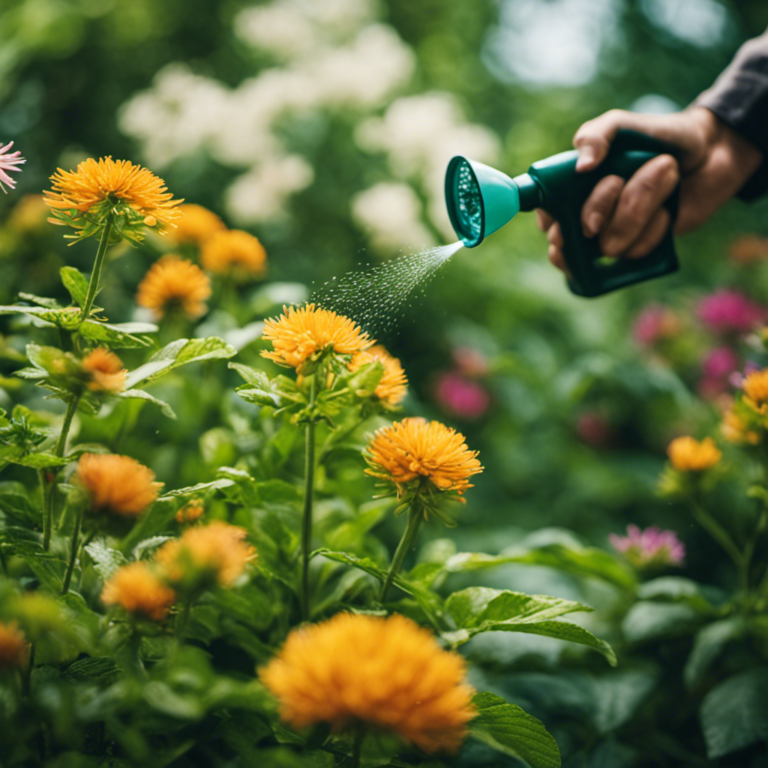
[(480, 199)]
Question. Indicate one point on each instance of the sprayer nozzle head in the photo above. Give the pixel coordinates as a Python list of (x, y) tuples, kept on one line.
[(465, 202)]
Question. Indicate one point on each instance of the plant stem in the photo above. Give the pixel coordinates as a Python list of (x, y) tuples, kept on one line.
[(181, 622), (93, 285), (49, 492), (73, 551), (415, 516), (309, 489), (357, 746), (721, 536)]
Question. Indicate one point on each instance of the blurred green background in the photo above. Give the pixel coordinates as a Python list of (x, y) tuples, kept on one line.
[(324, 128)]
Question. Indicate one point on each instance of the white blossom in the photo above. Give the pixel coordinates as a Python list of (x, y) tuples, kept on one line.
[(391, 214)]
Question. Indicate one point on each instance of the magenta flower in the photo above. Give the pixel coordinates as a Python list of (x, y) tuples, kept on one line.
[(9, 163), (649, 548), (653, 323), (461, 397), (730, 311), (716, 369)]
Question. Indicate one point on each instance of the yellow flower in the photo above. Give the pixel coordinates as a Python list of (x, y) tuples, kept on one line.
[(299, 335), (117, 484), (139, 198), (755, 389), (137, 588), (174, 282), (387, 672), (196, 224), (206, 553), (689, 455), (235, 252), (393, 385), (14, 648), (736, 430), (191, 511), (414, 448), (105, 369)]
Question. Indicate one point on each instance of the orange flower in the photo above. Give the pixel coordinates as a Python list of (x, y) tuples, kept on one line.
[(387, 672), (191, 511), (117, 484), (414, 448), (14, 648), (393, 385), (174, 282), (196, 224), (755, 389), (135, 193), (302, 334), (106, 371), (749, 249), (137, 588), (689, 455), (235, 252), (216, 552), (735, 429)]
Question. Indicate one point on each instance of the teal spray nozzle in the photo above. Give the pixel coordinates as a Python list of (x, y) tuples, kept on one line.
[(481, 200)]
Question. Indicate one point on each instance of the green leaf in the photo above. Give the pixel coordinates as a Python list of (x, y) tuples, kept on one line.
[(648, 621), (734, 714), (105, 560), (676, 589), (481, 609), (176, 354), (68, 318), (76, 283), (140, 394), (585, 562), (14, 454), (223, 482), (617, 697), (709, 644), (512, 731), (118, 335)]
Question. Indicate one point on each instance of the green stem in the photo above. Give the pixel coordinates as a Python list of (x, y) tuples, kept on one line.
[(181, 622), (309, 490), (720, 535), (415, 516), (49, 491), (73, 551), (357, 746), (93, 285)]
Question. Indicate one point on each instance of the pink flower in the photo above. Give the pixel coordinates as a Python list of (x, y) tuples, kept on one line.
[(730, 311), (9, 163), (594, 429), (461, 397), (649, 548), (716, 368), (653, 323)]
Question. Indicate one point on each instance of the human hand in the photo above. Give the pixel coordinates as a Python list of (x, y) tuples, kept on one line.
[(628, 216)]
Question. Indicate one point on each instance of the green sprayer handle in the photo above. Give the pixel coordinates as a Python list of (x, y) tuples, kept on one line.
[(564, 192)]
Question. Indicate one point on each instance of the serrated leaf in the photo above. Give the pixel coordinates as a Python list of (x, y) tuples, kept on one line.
[(140, 394), (105, 560), (15, 454), (118, 335), (618, 695), (734, 714), (480, 609), (176, 354), (68, 318), (76, 283), (42, 301), (677, 589), (222, 482), (709, 643), (512, 731), (151, 543)]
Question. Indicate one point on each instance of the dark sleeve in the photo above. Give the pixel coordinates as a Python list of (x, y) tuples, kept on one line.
[(739, 98)]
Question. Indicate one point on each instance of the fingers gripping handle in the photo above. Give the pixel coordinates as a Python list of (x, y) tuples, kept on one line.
[(566, 191)]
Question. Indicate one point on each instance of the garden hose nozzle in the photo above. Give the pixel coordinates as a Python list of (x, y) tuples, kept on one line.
[(481, 200)]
